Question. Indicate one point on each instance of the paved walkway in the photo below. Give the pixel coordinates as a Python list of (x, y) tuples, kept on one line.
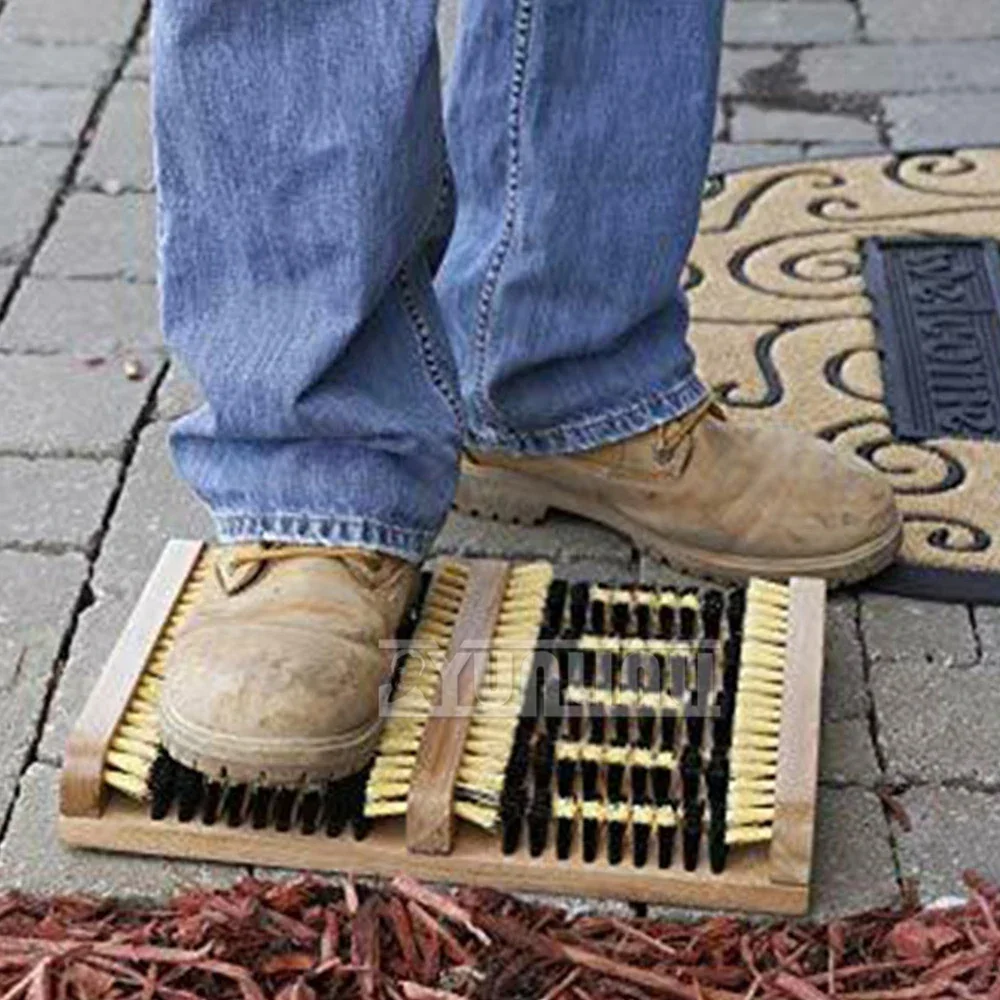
[(87, 498)]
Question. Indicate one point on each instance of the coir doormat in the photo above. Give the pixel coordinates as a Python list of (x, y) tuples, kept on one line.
[(859, 300)]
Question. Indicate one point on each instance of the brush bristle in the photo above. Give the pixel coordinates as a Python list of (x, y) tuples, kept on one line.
[(417, 691), (506, 686), (756, 725)]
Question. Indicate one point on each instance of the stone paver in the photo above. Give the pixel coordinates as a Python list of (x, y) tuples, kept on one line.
[(37, 596), (60, 405), (751, 124), (51, 116), (33, 860), (937, 723), (29, 179), (938, 709), (905, 633), (727, 156), (179, 394), (845, 695), (853, 863), (121, 156), (91, 319), (943, 120), (951, 830), (905, 20), (102, 237), (53, 503), (737, 63), (42, 66), (57, 21), (774, 22), (888, 69), (847, 755), (140, 65)]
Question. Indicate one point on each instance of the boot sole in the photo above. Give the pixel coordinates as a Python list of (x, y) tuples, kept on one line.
[(289, 763), (511, 498)]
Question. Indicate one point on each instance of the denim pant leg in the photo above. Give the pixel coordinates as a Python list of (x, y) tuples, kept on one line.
[(579, 135), (301, 172)]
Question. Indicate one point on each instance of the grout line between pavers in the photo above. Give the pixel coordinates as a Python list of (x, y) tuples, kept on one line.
[(86, 597), (977, 639), (880, 758), (69, 176)]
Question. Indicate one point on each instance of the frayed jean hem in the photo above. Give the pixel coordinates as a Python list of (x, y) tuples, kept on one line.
[(411, 544), (639, 415)]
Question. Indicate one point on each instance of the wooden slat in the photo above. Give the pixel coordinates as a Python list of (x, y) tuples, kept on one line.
[(475, 860), (430, 821), (82, 790), (798, 747)]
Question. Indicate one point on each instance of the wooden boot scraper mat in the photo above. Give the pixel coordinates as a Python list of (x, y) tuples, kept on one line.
[(656, 745)]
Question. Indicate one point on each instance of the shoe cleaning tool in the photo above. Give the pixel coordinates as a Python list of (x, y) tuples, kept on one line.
[(650, 744)]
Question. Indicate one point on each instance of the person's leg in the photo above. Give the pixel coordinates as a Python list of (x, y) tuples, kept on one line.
[(300, 167), (579, 136), (579, 133)]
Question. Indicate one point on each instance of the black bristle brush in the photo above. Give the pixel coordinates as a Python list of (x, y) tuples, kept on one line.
[(540, 811)]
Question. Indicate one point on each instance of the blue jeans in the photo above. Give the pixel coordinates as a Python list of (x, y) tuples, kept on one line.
[(362, 284)]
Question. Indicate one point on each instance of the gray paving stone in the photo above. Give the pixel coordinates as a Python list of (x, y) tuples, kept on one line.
[(57, 21), (754, 124), (908, 634), (37, 597), (179, 394), (772, 22), (943, 120), (889, 69), (42, 116), (59, 406), (91, 319), (121, 156), (938, 712), (951, 830), (140, 65), (845, 695), (847, 756), (97, 236), (906, 20), (47, 66), (842, 150), (33, 860), (53, 502), (736, 63), (937, 723), (97, 632), (155, 506), (559, 538), (853, 864), (29, 179), (727, 156), (6, 280)]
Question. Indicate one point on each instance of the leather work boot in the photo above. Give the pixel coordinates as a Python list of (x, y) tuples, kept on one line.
[(709, 497), (275, 675)]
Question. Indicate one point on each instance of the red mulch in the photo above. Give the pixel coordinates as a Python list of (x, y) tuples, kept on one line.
[(311, 938)]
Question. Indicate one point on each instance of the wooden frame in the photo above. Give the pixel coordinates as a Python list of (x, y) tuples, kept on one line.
[(770, 878)]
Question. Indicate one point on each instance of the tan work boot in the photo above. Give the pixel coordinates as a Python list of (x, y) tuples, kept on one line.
[(276, 674), (710, 497)]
